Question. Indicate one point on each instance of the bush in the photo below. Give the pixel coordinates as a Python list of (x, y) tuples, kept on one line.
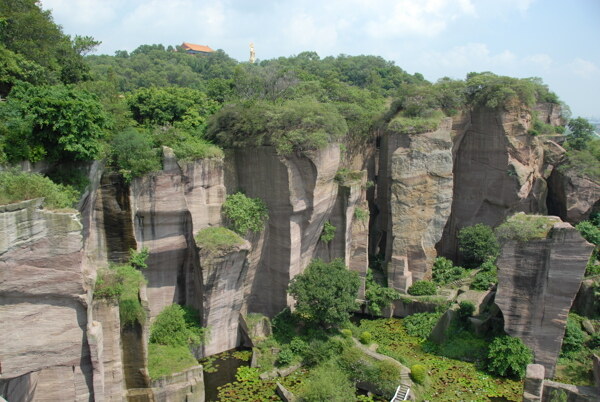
[(132, 153), (422, 288), (486, 277), (574, 338), (365, 338), (217, 239), (328, 232), (19, 186), (177, 326), (444, 271), (477, 244), (245, 214), (361, 214), (285, 357), (298, 346), (418, 373), (465, 310), (421, 324), (346, 333), (185, 144), (508, 357), (379, 297), (522, 227)]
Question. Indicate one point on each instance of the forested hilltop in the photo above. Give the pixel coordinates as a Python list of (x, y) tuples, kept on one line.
[(62, 106)]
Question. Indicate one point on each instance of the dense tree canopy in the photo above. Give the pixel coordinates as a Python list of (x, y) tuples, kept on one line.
[(325, 293)]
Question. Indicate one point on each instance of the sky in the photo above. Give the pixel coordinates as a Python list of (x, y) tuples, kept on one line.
[(556, 40)]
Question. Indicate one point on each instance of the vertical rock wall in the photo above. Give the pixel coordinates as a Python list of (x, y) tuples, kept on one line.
[(415, 196), (44, 301), (537, 282), (497, 171), (299, 192)]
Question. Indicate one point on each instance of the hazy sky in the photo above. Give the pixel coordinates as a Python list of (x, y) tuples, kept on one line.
[(555, 40)]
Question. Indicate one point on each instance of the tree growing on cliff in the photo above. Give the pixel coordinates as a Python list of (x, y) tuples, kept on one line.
[(580, 133), (477, 244), (325, 293)]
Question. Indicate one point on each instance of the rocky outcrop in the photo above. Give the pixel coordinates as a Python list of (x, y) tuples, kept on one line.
[(186, 386), (587, 301), (299, 192), (168, 208), (571, 196), (224, 276), (350, 217), (498, 170), (415, 197), (537, 282), (44, 300)]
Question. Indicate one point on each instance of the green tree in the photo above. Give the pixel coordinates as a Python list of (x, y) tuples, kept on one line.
[(325, 293), (64, 123), (133, 155), (244, 214), (508, 357), (581, 132), (477, 244)]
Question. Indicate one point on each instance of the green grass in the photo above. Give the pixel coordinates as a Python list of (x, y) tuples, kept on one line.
[(217, 239), (19, 186), (122, 283), (165, 360), (449, 379), (412, 125), (522, 227)]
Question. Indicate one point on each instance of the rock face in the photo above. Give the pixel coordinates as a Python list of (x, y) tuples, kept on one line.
[(571, 196), (299, 192), (537, 282), (224, 275), (168, 207), (498, 170), (415, 197), (350, 217), (44, 302)]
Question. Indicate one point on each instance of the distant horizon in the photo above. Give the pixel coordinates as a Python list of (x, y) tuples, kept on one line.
[(437, 38)]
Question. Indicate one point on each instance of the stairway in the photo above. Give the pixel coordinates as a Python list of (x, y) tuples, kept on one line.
[(402, 393)]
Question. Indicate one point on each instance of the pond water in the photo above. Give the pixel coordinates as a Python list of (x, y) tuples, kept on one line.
[(220, 370)]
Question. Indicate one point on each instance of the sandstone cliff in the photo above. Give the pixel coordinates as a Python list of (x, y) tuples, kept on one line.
[(414, 199), (537, 283), (498, 170)]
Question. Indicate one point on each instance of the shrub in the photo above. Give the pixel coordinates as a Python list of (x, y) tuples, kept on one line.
[(386, 375), (365, 338), (245, 214), (522, 227), (285, 357), (177, 326), (217, 239), (486, 277), (137, 259), (379, 297), (508, 357), (361, 214), (444, 271), (346, 333), (298, 346), (328, 232), (185, 144), (574, 338), (421, 324), (477, 244), (422, 288), (132, 153), (19, 186), (418, 373), (465, 310)]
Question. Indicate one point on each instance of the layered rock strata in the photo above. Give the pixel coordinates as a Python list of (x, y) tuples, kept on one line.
[(300, 192), (44, 302), (415, 197), (498, 170), (571, 196), (537, 283)]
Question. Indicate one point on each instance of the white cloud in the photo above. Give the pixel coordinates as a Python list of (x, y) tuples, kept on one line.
[(583, 68), (473, 57), (409, 17), (83, 12), (304, 32)]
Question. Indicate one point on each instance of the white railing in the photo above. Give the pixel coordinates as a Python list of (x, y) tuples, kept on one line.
[(402, 393)]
